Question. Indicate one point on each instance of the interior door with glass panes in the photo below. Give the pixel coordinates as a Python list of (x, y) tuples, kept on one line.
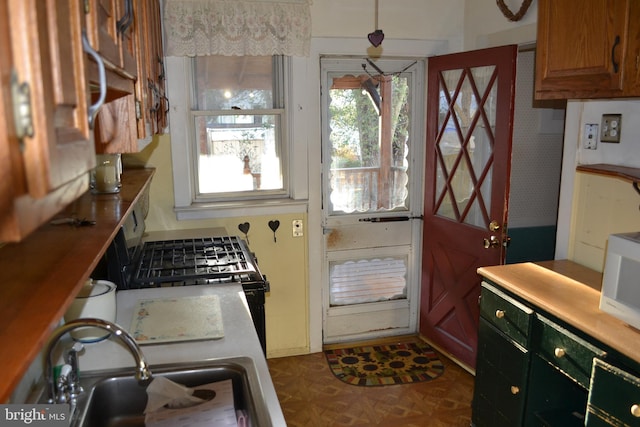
[(372, 138)]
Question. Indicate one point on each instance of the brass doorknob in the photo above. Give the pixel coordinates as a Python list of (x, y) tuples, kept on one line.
[(500, 314), (494, 226), (491, 242), (515, 389), (635, 410), (559, 352)]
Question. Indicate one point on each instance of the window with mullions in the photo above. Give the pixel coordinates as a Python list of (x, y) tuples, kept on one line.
[(238, 113)]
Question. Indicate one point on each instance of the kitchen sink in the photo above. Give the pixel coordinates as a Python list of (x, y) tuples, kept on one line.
[(114, 398)]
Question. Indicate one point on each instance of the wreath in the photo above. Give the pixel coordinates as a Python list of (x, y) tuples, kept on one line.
[(510, 15)]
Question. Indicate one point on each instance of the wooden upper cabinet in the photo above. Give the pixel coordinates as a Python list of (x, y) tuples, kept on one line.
[(49, 60), (48, 138), (587, 49), (150, 87), (109, 24), (125, 121)]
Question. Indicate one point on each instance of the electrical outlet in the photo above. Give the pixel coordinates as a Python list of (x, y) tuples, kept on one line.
[(590, 136), (297, 228), (611, 127)]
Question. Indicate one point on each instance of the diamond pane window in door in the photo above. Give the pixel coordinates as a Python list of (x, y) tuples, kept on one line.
[(369, 137), (367, 280), (466, 126)]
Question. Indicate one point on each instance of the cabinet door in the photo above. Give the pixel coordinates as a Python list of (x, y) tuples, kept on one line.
[(581, 48), (501, 379), (126, 38), (150, 85), (116, 127), (614, 397), (110, 27), (51, 61), (102, 20)]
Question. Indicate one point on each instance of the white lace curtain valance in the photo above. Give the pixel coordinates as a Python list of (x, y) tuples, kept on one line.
[(237, 27)]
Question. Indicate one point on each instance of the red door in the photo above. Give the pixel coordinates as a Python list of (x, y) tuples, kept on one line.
[(468, 157)]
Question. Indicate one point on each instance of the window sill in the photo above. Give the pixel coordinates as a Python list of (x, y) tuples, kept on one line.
[(239, 209)]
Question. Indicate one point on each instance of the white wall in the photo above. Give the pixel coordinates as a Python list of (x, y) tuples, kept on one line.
[(536, 154), (485, 26), (399, 19)]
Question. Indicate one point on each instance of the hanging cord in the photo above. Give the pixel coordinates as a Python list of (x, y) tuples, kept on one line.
[(382, 73), (507, 12), (377, 28)]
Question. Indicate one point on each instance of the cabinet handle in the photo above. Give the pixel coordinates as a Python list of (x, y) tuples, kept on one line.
[(635, 410), (515, 390), (500, 314), (93, 109), (559, 352), (125, 22), (616, 66)]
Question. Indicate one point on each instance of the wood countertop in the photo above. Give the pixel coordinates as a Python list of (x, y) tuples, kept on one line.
[(41, 275), (570, 292)]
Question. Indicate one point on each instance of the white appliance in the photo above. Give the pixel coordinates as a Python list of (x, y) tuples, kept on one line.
[(621, 279)]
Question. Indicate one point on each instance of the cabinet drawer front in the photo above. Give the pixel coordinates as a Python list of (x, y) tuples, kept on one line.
[(614, 396), (505, 313), (566, 351)]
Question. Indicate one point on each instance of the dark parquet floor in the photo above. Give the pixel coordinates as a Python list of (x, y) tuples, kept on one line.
[(311, 396)]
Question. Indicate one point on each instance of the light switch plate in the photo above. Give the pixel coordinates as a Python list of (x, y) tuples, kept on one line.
[(610, 128), (297, 228), (590, 136)]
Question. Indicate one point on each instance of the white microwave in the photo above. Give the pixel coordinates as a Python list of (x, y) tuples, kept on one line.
[(620, 295)]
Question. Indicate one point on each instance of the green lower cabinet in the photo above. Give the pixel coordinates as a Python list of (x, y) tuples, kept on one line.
[(614, 397), (553, 399), (501, 379), (535, 370)]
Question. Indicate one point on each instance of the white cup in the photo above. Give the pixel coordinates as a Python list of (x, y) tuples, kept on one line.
[(96, 299)]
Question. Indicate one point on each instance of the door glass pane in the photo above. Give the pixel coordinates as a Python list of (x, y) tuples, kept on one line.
[(367, 280), (467, 112), (369, 137)]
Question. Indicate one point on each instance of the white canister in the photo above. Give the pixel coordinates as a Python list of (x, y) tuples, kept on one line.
[(96, 299)]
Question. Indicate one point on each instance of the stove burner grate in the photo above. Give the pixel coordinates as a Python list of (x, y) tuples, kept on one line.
[(212, 258)]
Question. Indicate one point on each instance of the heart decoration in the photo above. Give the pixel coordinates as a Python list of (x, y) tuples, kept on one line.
[(273, 225), (244, 227), (376, 38), (510, 15)]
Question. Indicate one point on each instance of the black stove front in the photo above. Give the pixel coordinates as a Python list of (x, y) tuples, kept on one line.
[(189, 262)]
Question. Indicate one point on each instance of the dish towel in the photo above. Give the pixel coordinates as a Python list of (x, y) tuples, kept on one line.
[(219, 411)]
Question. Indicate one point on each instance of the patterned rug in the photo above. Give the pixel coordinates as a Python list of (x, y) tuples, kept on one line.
[(378, 365)]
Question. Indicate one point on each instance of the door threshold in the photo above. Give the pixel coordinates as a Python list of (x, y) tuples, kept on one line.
[(375, 341)]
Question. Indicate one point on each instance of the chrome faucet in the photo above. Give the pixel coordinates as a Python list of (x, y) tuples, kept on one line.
[(67, 388)]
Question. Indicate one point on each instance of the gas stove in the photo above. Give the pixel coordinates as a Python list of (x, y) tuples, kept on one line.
[(132, 263), (205, 260)]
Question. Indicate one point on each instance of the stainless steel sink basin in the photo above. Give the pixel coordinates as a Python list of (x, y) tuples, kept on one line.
[(115, 398)]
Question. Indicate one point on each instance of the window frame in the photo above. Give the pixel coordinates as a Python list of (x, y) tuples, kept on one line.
[(188, 203)]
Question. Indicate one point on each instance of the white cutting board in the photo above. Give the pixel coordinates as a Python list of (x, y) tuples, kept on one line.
[(162, 320)]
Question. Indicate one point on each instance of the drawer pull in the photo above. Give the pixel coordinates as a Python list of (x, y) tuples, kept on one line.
[(515, 390), (559, 352), (635, 410), (499, 314)]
